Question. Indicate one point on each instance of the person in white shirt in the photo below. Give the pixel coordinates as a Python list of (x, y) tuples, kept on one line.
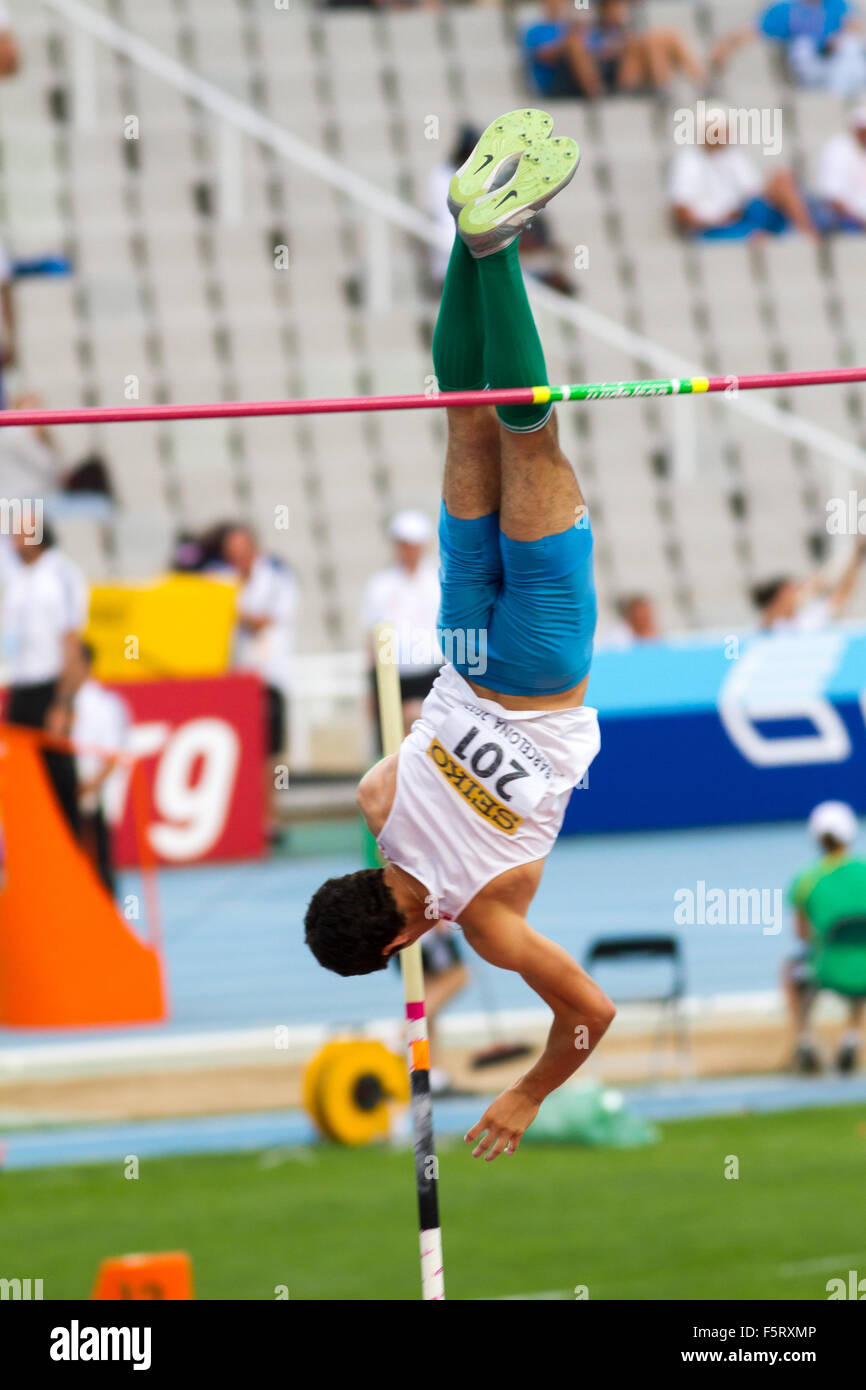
[(44, 609), (264, 639), (100, 731), (716, 191), (788, 605), (636, 622), (30, 462), (407, 594), (841, 180)]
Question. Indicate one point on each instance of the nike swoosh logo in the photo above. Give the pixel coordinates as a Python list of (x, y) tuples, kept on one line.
[(488, 159), (512, 194)]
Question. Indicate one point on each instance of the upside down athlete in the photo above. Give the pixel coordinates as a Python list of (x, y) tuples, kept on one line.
[(467, 811)]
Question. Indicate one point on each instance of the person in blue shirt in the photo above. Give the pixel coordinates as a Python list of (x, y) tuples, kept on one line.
[(822, 41), (570, 55)]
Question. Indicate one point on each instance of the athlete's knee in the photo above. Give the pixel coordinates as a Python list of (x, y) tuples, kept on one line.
[(471, 423), (542, 440)]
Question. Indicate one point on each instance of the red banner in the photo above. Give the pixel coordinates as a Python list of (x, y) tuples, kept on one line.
[(201, 743)]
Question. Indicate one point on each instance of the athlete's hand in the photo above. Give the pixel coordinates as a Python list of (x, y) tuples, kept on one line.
[(505, 1123)]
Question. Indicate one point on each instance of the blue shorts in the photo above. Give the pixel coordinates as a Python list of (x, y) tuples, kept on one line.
[(828, 219), (756, 216), (516, 616)]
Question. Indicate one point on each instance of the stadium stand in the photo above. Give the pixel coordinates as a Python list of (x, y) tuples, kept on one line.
[(187, 301)]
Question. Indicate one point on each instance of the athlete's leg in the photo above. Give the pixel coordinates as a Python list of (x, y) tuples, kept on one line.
[(471, 565), (540, 494), (471, 485), (541, 631), (486, 332), (541, 613)]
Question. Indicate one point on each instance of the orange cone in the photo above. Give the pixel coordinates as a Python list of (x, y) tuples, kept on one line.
[(145, 1276), (67, 956)]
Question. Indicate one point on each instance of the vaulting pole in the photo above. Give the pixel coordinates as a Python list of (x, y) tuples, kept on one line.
[(426, 1166)]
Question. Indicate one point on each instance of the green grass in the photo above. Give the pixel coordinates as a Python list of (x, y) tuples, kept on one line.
[(654, 1223)]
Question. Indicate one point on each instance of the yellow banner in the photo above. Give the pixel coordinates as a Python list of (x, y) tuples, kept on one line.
[(180, 625)]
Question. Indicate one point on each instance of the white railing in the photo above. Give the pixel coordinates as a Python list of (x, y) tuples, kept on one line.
[(383, 208)]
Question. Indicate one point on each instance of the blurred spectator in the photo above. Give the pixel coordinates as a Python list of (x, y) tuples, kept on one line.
[(30, 463), (841, 182), (786, 605), (717, 193), (542, 257), (821, 41), (100, 730), (8, 331), (265, 639), (638, 615), (10, 59), (406, 594), (825, 894), (636, 622), (89, 477), (570, 55), (44, 609), (193, 553)]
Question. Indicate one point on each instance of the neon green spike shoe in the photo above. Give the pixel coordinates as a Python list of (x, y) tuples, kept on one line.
[(503, 141), (494, 220)]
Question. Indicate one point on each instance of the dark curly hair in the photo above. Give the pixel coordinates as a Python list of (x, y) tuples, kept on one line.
[(350, 921), (762, 595)]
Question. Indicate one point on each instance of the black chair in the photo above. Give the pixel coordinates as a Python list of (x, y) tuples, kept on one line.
[(630, 950)]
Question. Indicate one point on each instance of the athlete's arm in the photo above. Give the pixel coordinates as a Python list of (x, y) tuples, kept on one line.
[(582, 1013), (376, 792)]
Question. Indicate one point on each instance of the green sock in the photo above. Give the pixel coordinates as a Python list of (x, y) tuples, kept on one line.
[(458, 339), (513, 355)]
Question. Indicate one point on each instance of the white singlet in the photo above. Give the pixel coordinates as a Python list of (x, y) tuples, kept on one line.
[(481, 789)]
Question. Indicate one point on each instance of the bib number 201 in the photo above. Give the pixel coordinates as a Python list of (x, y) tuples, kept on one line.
[(486, 760)]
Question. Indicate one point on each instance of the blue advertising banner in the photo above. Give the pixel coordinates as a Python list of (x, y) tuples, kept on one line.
[(724, 731)]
